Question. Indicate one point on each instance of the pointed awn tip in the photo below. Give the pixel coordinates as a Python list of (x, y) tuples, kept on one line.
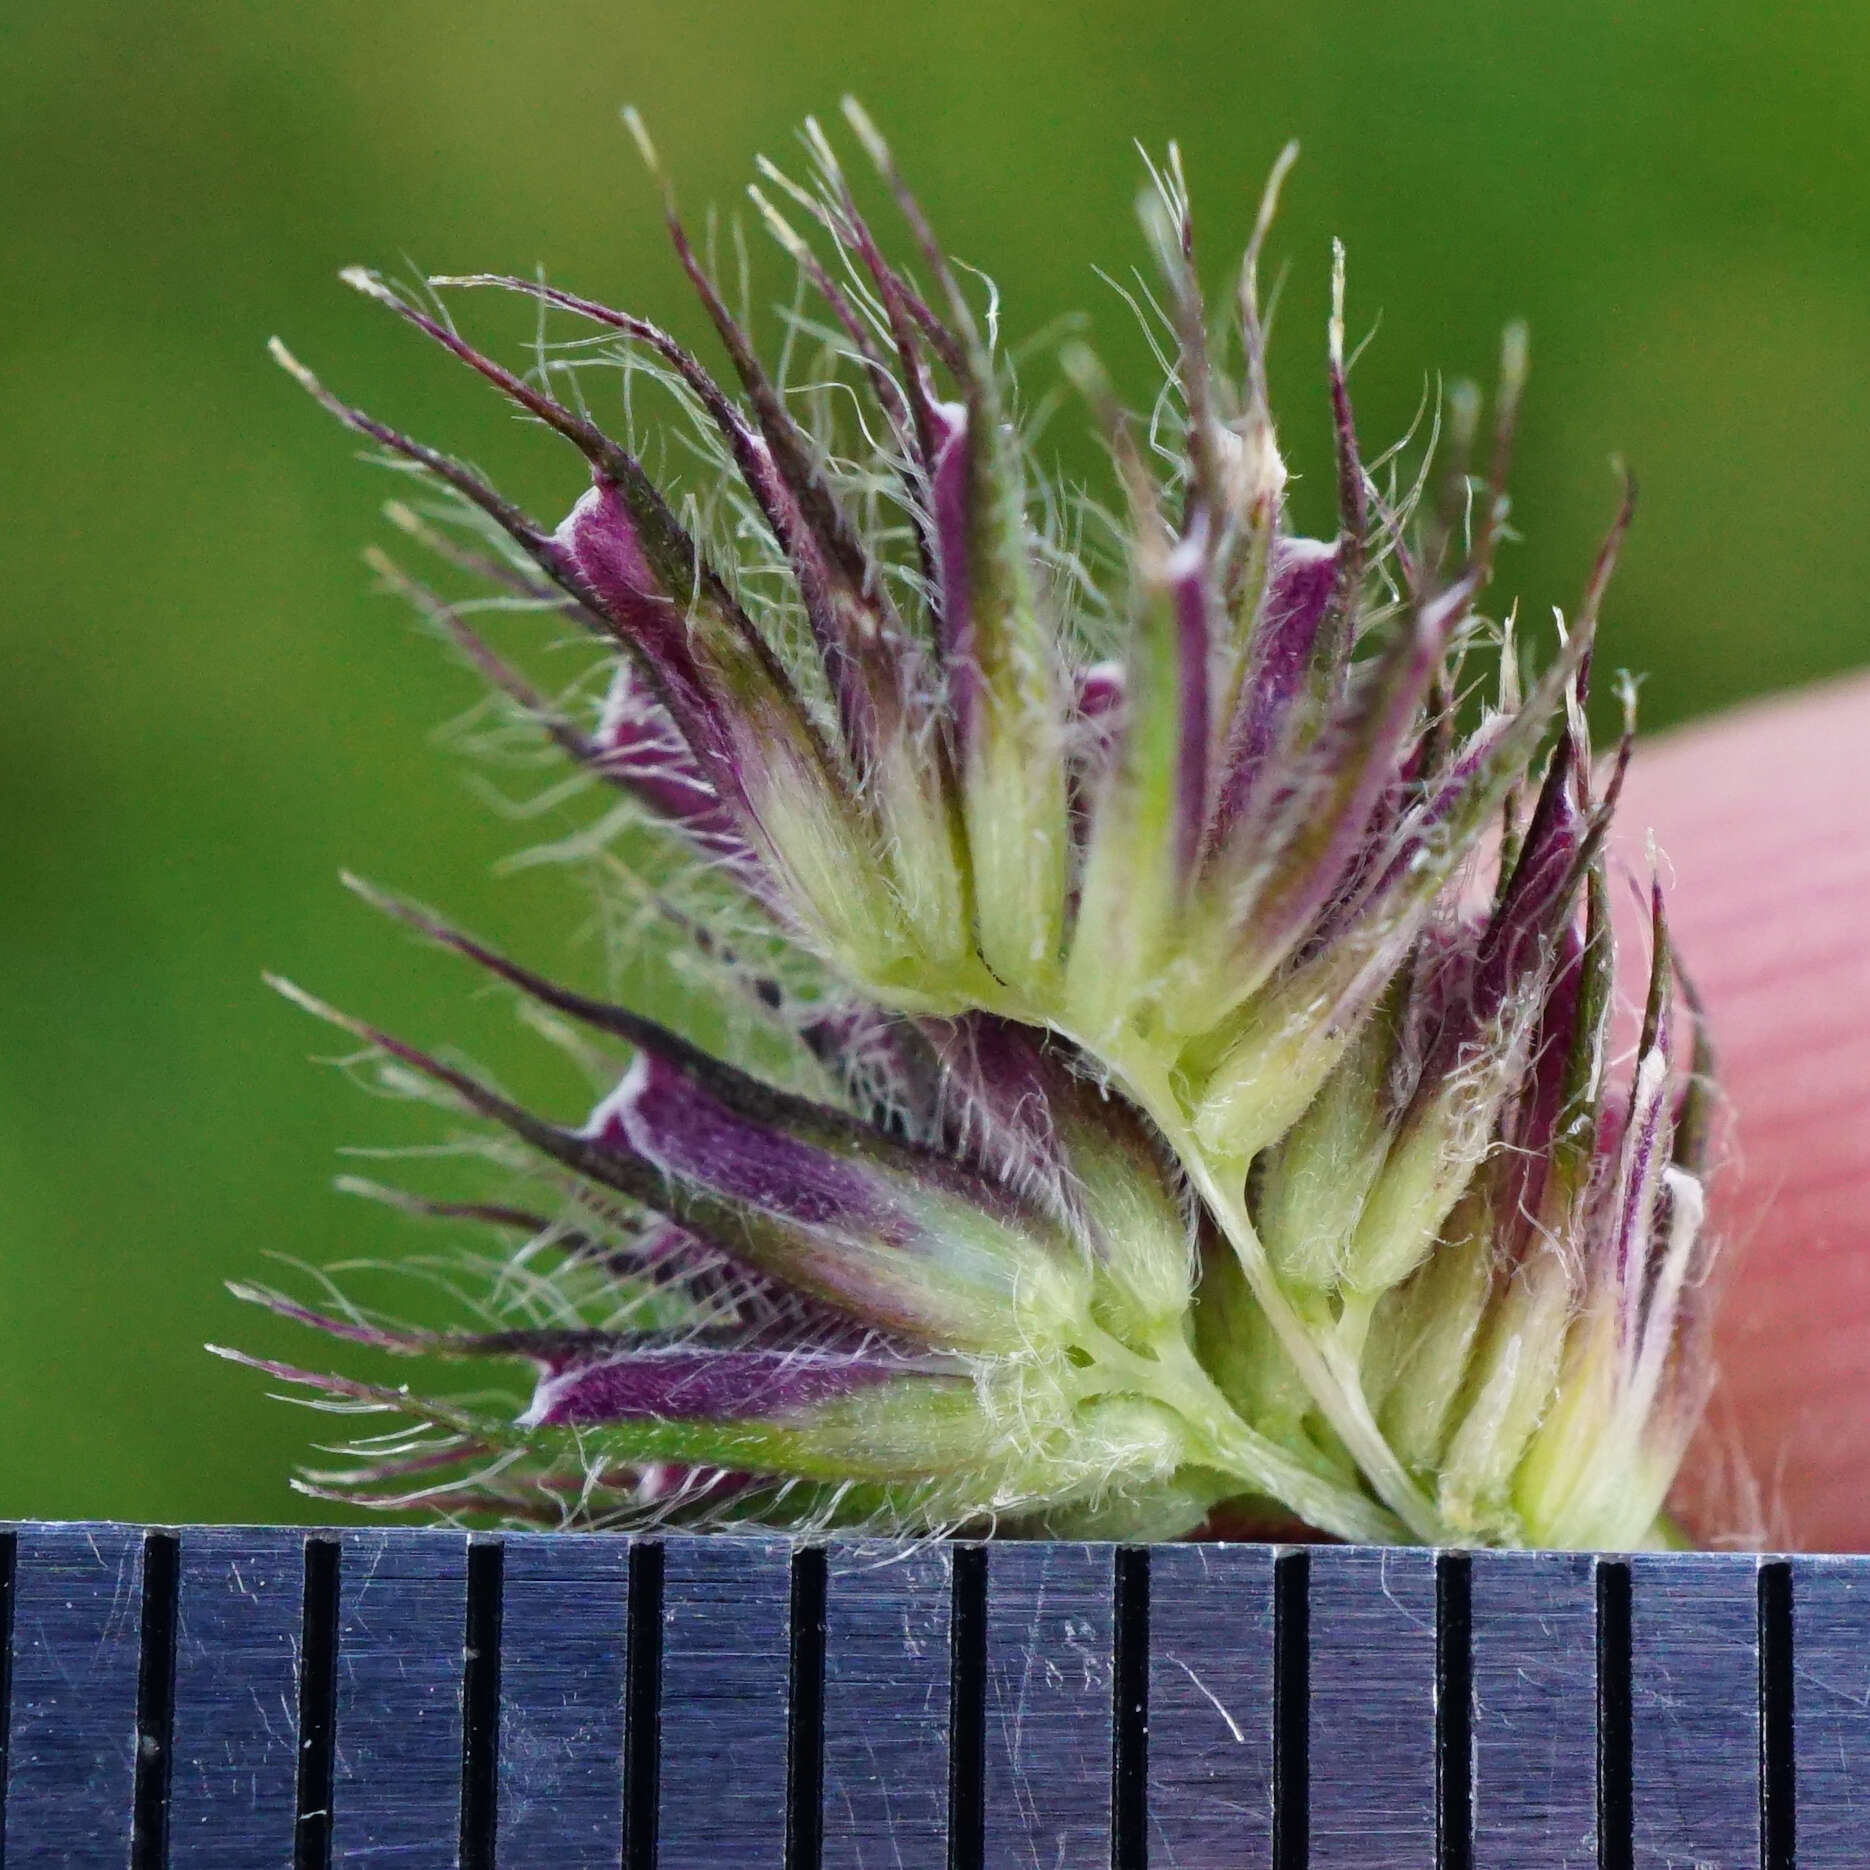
[(866, 131), (370, 284), (276, 350), (319, 1009), (639, 135)]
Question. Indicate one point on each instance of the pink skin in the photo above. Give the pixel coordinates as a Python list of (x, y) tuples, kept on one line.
[(1762, 819)]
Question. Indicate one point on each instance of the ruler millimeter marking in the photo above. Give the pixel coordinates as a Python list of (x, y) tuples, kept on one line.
[(274, 1699)]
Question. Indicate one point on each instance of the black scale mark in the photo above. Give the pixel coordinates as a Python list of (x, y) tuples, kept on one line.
[(967, 1711), (1454, 1712), (805, 1721), (9, 1564), (1616, 1815), (155, 1702), (480, 1705), (642, 1720), (1778, 1778), (1291, 1711), (1129, 1801), (318, 1705)]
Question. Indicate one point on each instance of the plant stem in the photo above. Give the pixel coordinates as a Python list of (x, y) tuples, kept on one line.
[(1333, 1384), (1175, 1378), (1331, 1381)]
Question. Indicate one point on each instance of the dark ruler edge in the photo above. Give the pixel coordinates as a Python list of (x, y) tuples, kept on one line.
[(1786, 1691), (401, 1724), (1697, 1749), (1050, 1681), (1530, 1701), (1209, 1716), (1830, 1689), (887, 1715), (233, 1724), (74, 1694), (1372, 1744), (725, 1703), (560, 1705)]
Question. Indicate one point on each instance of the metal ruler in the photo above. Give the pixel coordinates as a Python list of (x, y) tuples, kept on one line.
[(268, 1699)]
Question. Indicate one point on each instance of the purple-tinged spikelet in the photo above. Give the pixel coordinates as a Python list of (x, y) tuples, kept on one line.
[(1177, 1071)]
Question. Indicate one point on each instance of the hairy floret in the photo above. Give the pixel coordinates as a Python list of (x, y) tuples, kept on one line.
[(1163, 1069)]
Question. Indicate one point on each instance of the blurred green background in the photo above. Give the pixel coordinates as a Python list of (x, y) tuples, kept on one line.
[(208, 711)]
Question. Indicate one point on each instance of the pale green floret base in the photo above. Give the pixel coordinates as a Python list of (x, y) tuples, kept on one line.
[(1370, 1412)]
